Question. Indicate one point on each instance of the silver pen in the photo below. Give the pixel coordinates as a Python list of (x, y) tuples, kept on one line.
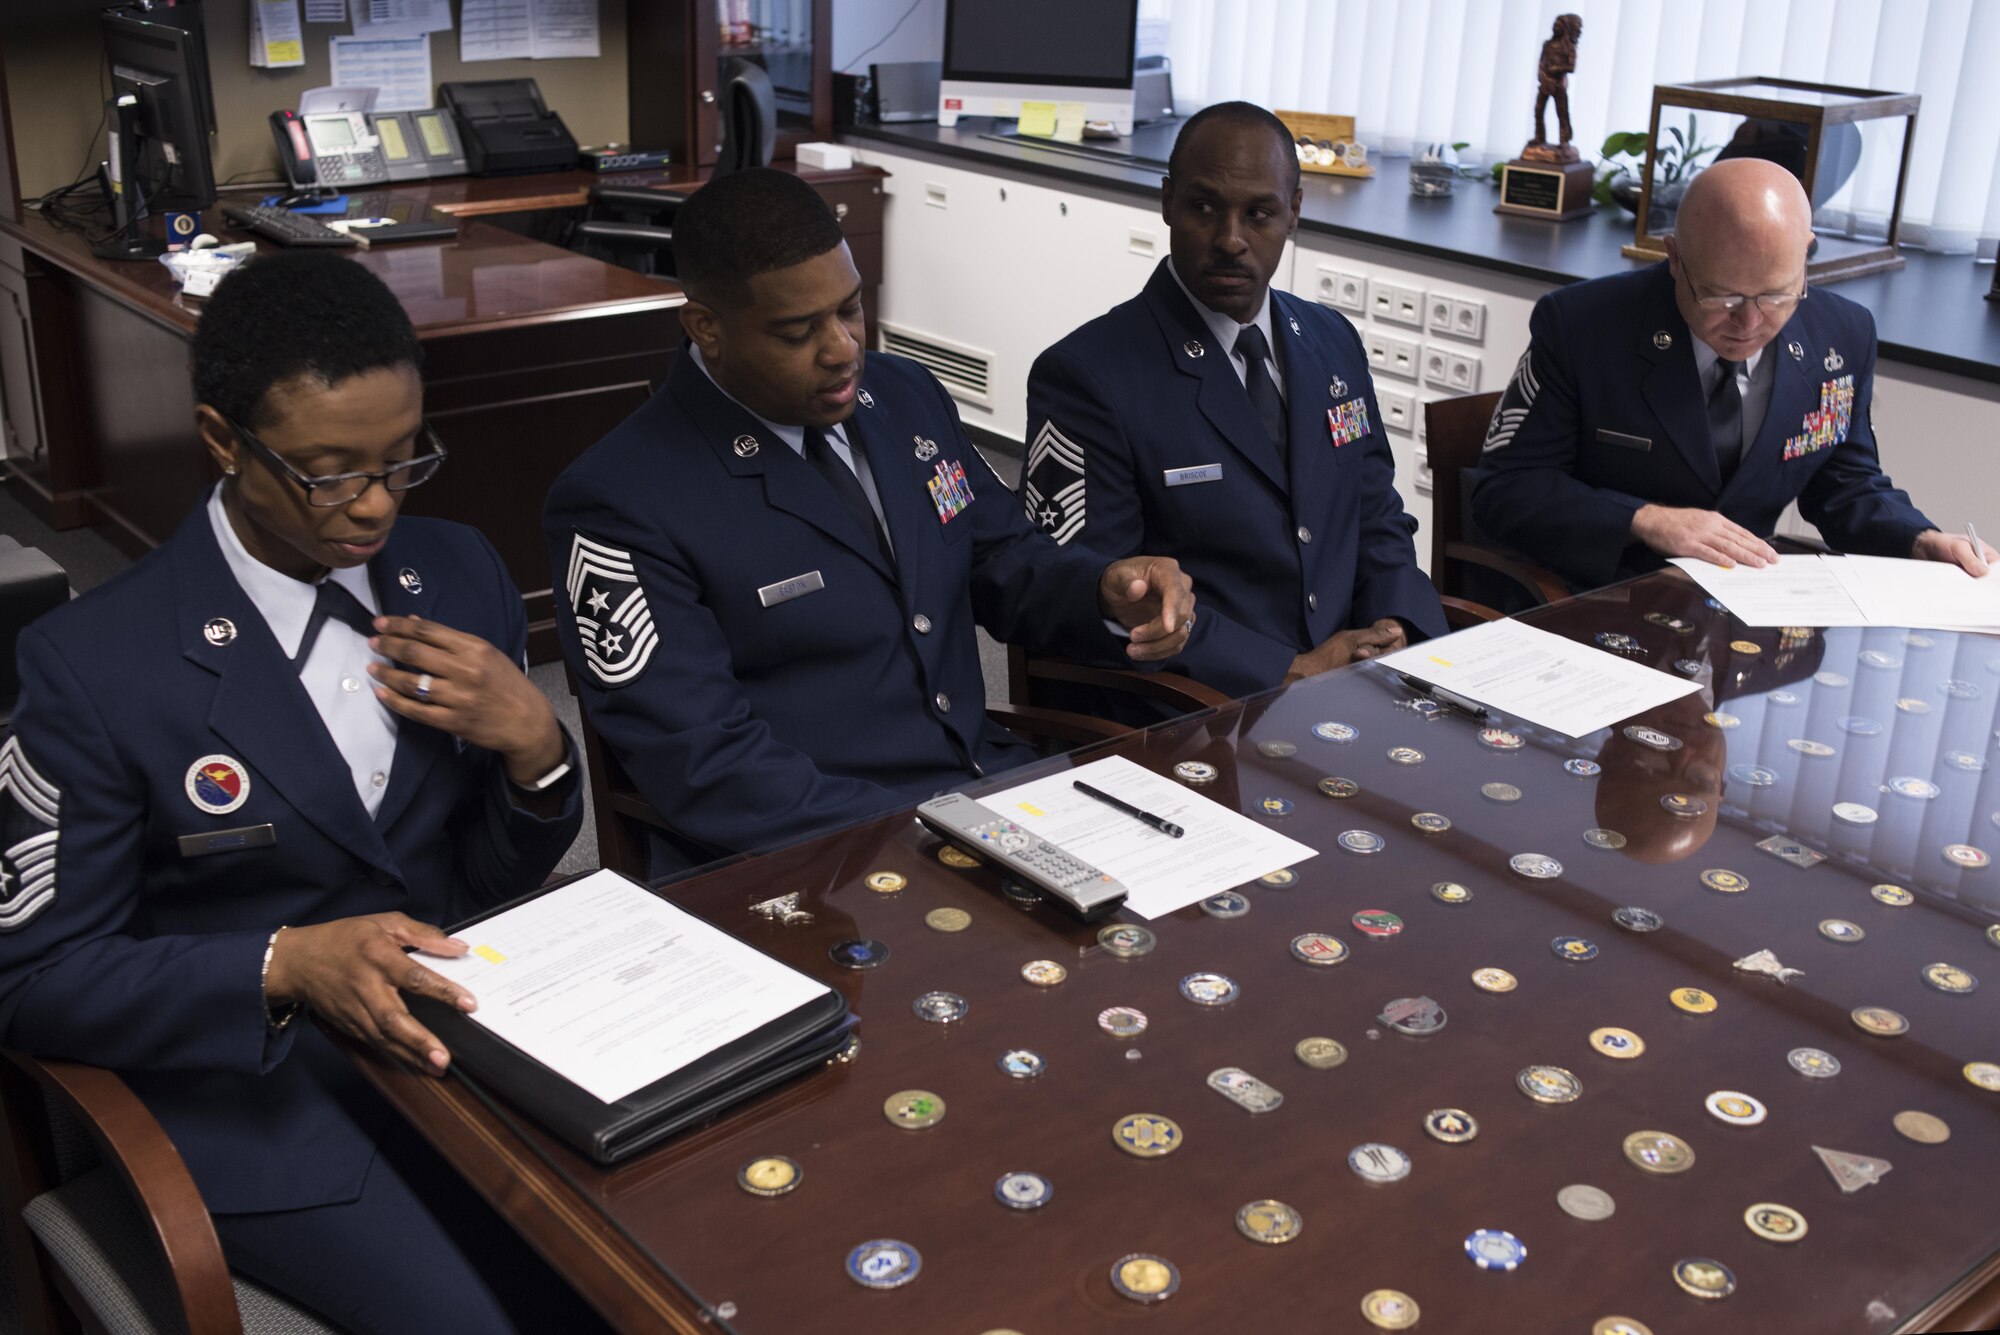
[(1978, 547)]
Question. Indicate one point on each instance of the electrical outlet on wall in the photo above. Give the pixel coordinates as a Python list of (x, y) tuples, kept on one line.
[(1437, 367), (1342, 291), (1462, 373), (1468, 319)]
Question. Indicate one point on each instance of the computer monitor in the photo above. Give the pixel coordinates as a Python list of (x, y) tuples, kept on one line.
[(164, 68), (1001, 53)]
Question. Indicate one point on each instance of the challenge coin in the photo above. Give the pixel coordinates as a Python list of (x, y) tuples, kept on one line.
[(1895, 896), (1275, 807), (1020, 894), (1454, 1126), (1339, 733), (1536, 866), (1775, 1223), (1966, 856), (1986, 1075), (1336, 787), (1043, 973), (1378, 922), (1376, 1162), (1244, 1090), (1606, 839), (940, 1007), (1430, 822), (1361, 841), (1195, 772), (1879, 1021), (1284, 878), (1583, 769), (1126, 940), (1390, 1310), (951, 855), (1209, 989), (859, 953), (1805, 746), (1145, 1278), (1494, 980), (1950, 978), (1022, 1064), (1686, 805), (1814, 1062), (1023, 1191), (1405, 755), (1910, 785), (1620, 1043), (1725, 882), (947, 920), (1500, 739), (1147, 1135), (1322, 1054), (1841, 930), (1450, 892), (1318, 948), (1922, 1127), (772, 1175), (1495, 1249), (1419, 1016), (1692, 1000), (1855, 725), (1278, 750), (1588, 1203), (1993, 932), (1737, 1109), (883, 1264), (1854, 813), (1549, 1084), (1500, 792), (1753, 776), (886, 882), (1228, 904), (1653, 737), (913, 1109), (1637, 919), (1659, 1152), (1122, 1022), (1719, 719), (1575, 949), (1704, 1278), (1269, 1222)]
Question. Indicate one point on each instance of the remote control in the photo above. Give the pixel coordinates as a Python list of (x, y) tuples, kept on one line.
[(1073, 883)]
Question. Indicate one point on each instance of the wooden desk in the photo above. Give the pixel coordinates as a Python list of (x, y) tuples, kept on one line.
[(531, 355), (669, 1240)]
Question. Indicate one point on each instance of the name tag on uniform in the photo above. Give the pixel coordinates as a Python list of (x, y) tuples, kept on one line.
[(228, 841), (1181, 477), (798, 586), (1624, 441)]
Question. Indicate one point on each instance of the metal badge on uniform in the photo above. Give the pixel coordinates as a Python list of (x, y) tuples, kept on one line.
[(1834, 361), (1619, 438), (867, 399), (1662, 339), (1295, 327), (950, 492), (1181, 477), (926, 449), (1337, 388), (1797, 350), (229, 841), (218, 631), (218, 784), (1193, 347), (745, 447), (1347, 422), (798, 586), (411, 581)]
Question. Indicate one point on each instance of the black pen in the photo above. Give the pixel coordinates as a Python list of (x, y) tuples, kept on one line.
[(1165, 827), (1444, 697)]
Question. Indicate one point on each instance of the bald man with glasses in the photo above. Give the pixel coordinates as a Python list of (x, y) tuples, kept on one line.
[(1677, 410)]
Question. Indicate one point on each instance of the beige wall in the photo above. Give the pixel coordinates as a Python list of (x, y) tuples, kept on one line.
[(54, 73)]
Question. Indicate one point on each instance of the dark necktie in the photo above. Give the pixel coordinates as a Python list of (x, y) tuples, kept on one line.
[(819, 453), (333, 600), (1725, 418), (1255, 352)]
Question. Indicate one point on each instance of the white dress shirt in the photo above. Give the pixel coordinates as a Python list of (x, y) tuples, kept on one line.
[(1227, 330), (336, 674), (1753, 381)]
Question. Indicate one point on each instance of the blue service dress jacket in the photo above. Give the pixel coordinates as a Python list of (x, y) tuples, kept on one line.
[(1605, 413), (1142, 438), (744, 648), (161, 735)]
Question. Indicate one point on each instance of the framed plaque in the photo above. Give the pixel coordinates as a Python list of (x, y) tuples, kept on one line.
[(1558, 191)]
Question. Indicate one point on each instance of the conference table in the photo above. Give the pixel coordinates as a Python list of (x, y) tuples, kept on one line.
[(1676, 1027)]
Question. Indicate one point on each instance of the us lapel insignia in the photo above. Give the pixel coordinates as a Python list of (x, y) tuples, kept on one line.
[(1193, 347), (1662, 340), (1295, 327), (218, 631), (926, 449), (745, 447), (411, 581), (867, 399), (1834, 361), (1797, 350), (1338, 388)]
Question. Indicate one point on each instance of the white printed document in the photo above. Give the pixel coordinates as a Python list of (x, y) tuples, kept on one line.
[(1930, 595), (612, 987), (527, 29), (1800, 590), (1220, 849), (399, 68), (1522, 670)]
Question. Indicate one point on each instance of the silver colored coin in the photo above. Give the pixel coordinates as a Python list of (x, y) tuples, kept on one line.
[(1278, 750), (1361, 841), (1601, 838), (1753, 776), (1909, 785), (1376, 1162), (1022, 1064), (1638, 919), (1228, 904), (1580, 1201), (1023, 1191), (1500, 792), (1536, 866), (1813, 1062), (1853, 813), (1209, 989), (940, 1007)]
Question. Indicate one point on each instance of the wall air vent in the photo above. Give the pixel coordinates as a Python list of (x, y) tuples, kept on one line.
[(966, 372)]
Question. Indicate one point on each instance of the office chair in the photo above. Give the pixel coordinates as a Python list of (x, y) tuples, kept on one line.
[(1455, 433), (30, 584), (748, 115), (629, 226)]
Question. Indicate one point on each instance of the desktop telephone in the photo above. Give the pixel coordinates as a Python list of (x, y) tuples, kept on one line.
[(328, 150)]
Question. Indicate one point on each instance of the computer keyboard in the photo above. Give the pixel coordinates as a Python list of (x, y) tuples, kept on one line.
[(284, 227)]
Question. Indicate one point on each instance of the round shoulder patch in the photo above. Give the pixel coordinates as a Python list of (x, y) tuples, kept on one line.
[(218, 784)]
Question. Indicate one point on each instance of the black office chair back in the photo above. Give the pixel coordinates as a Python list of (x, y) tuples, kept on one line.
[(30, 584), (749, 114)]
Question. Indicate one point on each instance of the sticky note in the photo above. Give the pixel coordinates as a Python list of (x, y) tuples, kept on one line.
[(1038, 118), (1069, 122), (1030, 808), (489, 954)]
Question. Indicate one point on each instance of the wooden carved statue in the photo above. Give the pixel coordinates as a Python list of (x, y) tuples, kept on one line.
[(1558, 63)]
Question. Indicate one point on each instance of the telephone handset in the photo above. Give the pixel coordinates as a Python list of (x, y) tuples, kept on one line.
[(328, 152)]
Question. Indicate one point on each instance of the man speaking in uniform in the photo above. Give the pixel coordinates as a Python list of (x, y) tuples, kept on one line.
[(1234, 428), (773, 569), (1678, 410)]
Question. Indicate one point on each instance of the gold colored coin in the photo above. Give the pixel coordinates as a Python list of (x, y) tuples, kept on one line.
[(1880, 1021), (1494, 980), (1044, 973), (1986, 1075), (1775, 1223), (1145, 1275), (1922, 1127), (1322, 1054), (953, 856), (1390, 1310), (1746, 646), (947, 920), (1693, 1000), (773, 1175), (1619, 1325), (1620, 1043), (887, 882), (913, 1109), (1658, 1152)]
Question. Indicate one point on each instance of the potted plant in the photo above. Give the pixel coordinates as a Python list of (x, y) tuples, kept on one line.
[(1674, 165)]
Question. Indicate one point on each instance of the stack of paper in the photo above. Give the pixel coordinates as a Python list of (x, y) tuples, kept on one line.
[(276, 38), (1852, 591)]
